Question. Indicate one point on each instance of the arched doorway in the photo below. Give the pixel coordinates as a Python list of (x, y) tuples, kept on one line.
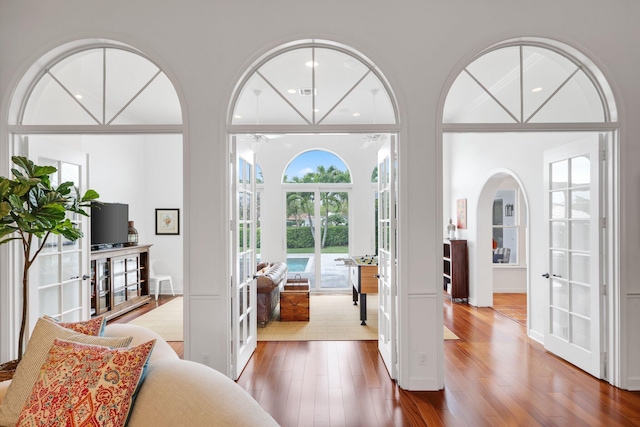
[(536, 104), (310, 91), (101, 106)]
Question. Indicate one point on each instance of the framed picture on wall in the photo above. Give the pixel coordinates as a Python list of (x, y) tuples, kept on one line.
[(168, 221), (461, 205)]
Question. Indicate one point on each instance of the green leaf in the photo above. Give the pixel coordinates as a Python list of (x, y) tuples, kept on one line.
[(41, 171), (5, 208), (24, 163), (90, 195)]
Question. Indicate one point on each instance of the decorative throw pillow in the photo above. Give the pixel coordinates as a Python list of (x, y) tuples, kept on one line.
[(28, 369), (94, 327), (86, 385)]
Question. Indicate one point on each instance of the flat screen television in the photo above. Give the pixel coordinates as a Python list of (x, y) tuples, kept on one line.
[(109, 225)]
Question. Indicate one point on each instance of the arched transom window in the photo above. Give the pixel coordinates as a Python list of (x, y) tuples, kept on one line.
[(102, 86), (525, 84), (313, 85)]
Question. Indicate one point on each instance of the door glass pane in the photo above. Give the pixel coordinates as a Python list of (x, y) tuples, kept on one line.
[(581, 268), (558, 204), (241, 299), (580, 303), (580, 204), (70, 265), (560, 293), (248, 244), (559, 234), (52, 244), (334, 209), (300, 238), (559, 264), (48, 270), (49, 301), (71, 295), (247, 205), (559, 323), (581, 332), (73, 316), (580, 235), (580, 171), (67, 245), (559, 174)]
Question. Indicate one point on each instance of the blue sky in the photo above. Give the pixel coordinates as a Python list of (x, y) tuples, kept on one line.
[(309, 161)]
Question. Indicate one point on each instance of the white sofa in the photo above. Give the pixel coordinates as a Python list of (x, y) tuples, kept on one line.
[(178, 392)]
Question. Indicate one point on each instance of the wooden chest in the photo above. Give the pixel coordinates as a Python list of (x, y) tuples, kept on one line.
[(294, 301)]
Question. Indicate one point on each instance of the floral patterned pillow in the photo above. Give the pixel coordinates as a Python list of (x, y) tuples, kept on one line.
[(82, 384), (94, 327)]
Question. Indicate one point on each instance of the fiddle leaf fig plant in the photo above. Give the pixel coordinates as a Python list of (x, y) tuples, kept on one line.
[(31, 210)]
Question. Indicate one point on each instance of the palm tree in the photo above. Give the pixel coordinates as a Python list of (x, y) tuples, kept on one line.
[(331, 202)]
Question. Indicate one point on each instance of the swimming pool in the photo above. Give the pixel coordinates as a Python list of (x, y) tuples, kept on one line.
[(297, 264)]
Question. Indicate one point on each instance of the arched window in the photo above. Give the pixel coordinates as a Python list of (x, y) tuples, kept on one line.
[(314, 85), (102, 86), (317, 166), (525, 83)]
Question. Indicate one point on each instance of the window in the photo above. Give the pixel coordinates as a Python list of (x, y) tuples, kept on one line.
[(505, 227), (103, 86), (314, 86)]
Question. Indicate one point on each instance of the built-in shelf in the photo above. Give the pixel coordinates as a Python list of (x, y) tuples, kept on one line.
[(456, 269)]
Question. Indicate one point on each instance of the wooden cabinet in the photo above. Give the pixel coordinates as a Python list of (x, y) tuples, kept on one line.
[(119, 280), (456, 269)]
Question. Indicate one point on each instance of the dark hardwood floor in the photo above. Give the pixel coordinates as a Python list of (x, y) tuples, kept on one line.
[(494, 376)]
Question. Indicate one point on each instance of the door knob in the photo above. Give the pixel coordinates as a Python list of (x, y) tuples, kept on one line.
[(545, 275)]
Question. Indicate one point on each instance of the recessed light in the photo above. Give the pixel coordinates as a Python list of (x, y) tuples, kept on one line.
[(78, 96), (237, 116), (292, 91), (536, 89), (311, 64), (356, 114), (316, 110)]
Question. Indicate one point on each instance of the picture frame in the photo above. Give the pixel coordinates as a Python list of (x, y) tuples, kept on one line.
[(168, 222), (461, 207)]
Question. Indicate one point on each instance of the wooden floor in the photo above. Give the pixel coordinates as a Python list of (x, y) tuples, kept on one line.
[(494, 376), (511, 305)]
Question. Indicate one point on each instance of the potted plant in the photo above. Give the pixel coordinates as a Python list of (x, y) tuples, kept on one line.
[(30, 211)]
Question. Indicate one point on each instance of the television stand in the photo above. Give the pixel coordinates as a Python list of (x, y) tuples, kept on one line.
[(119, 279)]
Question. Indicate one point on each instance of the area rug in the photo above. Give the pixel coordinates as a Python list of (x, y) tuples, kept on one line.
[(331, 318), (165, 320)]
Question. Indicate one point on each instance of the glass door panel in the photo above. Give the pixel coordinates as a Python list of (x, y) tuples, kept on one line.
[(334, 227), (301, 232)]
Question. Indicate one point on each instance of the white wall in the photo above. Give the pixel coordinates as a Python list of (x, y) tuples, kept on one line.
[(205, 46), (145, 172)]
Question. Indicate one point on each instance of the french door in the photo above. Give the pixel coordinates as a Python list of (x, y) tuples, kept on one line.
[(58, 283), (312, 246), (387, 291), (243, 241), (574, 203)]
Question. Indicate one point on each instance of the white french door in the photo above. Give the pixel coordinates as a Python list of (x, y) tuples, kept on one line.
[(387, 292), (243, 241), (574, 204), (58, 282)]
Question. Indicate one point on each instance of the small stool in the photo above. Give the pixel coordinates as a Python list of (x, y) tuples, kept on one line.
[(153, 278), (157, 280)]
